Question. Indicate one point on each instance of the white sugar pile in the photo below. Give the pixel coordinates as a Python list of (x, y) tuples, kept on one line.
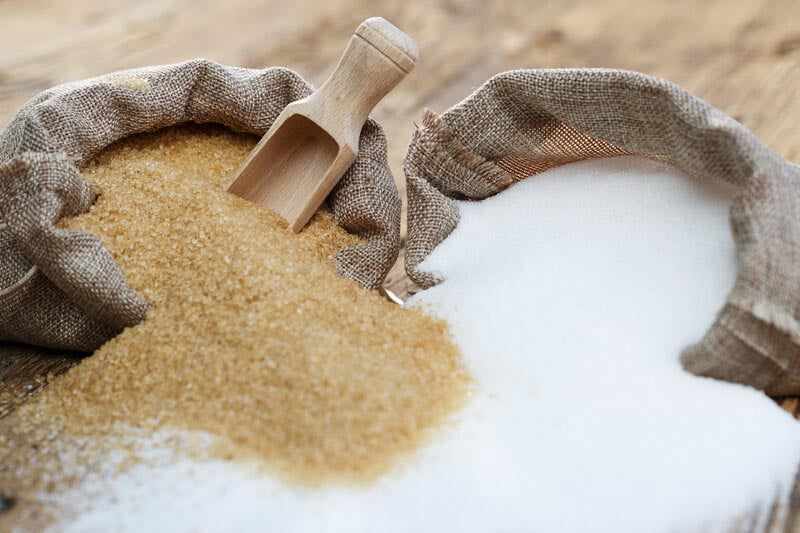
[(571, 296)]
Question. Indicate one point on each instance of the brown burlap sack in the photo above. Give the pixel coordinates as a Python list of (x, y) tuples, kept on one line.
[(523, 122), (62, 289)]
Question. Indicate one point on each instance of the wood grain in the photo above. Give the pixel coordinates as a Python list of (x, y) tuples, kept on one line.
[(314, 140), (24, 370), (741, 56)]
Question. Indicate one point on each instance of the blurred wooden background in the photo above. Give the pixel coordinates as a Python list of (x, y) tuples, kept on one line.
[(741, 56)]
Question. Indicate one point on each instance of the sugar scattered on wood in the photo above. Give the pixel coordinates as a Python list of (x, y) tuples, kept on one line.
[(251, 337), (570, 296)]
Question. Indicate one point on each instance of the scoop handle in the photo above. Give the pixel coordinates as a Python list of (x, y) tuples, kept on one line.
[(376, 59)]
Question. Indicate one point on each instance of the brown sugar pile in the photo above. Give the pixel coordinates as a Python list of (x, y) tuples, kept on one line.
[(251, 335)]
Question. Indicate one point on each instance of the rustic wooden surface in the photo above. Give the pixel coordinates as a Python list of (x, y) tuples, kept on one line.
[(741, 56)]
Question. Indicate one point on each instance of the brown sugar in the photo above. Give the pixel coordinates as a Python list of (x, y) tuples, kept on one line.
[(251, 335)]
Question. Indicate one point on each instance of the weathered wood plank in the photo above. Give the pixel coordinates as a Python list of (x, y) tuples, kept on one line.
[(25, 369)]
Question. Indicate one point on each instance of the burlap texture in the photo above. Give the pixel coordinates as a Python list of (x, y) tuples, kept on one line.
[(523, 122), (62, 289)]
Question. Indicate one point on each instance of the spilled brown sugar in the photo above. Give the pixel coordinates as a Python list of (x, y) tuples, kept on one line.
[(251, 335)]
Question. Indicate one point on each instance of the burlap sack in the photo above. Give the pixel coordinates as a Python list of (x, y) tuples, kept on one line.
[(62, 289), (523, 122)]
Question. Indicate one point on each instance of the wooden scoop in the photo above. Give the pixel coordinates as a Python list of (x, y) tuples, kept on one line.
[(314, 140)]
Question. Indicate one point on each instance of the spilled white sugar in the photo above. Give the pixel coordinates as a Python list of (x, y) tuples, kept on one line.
[(571, 296)]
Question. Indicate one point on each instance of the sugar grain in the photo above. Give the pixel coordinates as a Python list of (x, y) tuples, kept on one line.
[(251, 337), (570, 296)]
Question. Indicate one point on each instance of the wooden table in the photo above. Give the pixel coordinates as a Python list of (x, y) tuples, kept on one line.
[(741, 56)]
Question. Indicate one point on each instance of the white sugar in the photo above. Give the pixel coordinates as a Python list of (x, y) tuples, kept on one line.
[(571, 296)]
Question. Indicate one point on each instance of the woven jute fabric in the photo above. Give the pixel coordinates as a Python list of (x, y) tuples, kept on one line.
[(62, 289), (523, 122)]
